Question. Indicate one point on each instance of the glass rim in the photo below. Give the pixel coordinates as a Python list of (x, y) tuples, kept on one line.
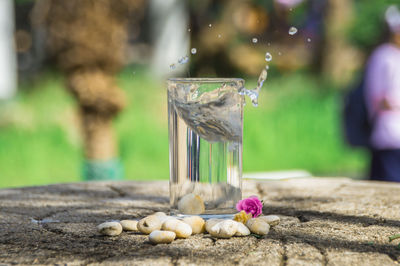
[(205, 80)]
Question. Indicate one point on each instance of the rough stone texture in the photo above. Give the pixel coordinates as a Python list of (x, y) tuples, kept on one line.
[(323, 222)]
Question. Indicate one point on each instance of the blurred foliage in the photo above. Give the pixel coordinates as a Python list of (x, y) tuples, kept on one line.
[(369, 28), (295, 126)]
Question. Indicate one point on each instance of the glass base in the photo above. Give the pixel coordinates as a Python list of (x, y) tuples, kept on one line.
[(227, 213), (207, 216)]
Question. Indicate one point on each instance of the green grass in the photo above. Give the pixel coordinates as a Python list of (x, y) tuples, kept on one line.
[(296, 126)]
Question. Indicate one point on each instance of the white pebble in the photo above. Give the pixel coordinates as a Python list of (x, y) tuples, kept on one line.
[(272, 220), (258, 226), (149, 224), (181, 229), (161, 237), (211, 222), (224, 229), (162, 216), (191, 204), (159, 214), (242, 230), (110, 228), (196, 223), (129, 225)]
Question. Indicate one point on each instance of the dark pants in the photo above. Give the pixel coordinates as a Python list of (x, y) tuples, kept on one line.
[(385, 165)]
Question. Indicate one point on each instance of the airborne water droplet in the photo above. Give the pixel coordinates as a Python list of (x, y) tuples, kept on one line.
[(172, 66), (193, 51), (254, 40), (292, 31), (219, 35), (308, 40), (210, 25), (183, 60), (268, 57)]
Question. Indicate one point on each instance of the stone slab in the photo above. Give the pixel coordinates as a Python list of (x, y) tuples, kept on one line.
[(329, 221)]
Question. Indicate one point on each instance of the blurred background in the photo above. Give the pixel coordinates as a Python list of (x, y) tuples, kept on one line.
[(82, 82)]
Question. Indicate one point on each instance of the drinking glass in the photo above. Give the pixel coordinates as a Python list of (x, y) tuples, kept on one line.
[(205, 122)]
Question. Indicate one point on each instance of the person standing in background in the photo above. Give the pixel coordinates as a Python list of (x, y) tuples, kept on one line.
[(382, 89)]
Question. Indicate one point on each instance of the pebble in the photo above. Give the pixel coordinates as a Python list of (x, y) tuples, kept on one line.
[(196, 223), (181, 229), (211, 222), (161, 237), (191, 204), (272, 220), (110, 228), (258, 226), (162, 216), (129, 225), (242, 230), (149, 224), (224, 229)]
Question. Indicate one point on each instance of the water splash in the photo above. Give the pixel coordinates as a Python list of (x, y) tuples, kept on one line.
[(183, 60), (268, 57), (193, 51), (254, 40), (172, 66), (292, 31), (254, 93)]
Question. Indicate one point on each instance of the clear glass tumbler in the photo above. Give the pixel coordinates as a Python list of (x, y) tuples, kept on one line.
[(205, 121)]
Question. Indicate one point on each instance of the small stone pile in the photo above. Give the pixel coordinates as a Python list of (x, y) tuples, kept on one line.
[(162, 228)]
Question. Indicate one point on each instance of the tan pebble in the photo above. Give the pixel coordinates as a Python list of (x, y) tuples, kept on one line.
[(191, 204), (129, 225), (196, 223), (161, 237), (272, 220), (258, 226), (242, 230), (224, 229), (110, 228), (211, 222), (181, 229), (149, 224)]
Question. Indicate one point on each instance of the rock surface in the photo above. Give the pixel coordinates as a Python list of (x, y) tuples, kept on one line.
[(323, 222)]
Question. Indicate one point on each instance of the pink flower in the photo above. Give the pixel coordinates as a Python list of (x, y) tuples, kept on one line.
[(250, 205)]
